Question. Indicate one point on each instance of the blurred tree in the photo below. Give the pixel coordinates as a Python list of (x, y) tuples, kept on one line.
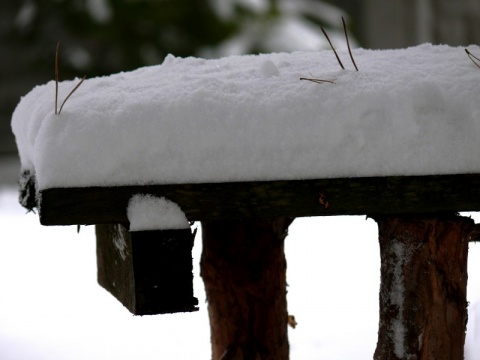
[(101, 37), (276, 25)]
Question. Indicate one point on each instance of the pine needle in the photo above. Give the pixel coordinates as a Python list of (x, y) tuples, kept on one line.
[(348, 43), (56, 84), (318, 81), (71, 92), (56, 77), (473, 58), (336, 55)]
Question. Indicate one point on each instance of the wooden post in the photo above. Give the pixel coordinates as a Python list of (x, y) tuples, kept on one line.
[(149, 272), (243, 267), (423, 305)]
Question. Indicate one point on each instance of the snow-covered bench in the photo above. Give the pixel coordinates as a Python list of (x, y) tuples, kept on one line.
[(244, 138)]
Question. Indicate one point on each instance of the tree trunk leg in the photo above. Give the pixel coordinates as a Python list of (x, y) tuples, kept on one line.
[(423, 305), (243, 267)]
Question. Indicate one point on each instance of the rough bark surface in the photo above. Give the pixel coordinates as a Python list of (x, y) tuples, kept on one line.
[(423, 305), (243, 267)]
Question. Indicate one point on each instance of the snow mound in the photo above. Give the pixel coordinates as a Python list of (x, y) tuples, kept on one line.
[(147, 212), (412, 111)]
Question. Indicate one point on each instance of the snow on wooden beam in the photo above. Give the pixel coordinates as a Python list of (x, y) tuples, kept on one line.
[(149, 272), (296, 198)]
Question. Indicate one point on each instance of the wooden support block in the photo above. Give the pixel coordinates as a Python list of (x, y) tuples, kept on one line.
[(423, 304), (149, 272)]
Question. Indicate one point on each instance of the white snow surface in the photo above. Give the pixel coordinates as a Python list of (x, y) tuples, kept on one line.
[(412, 111), (51, 307), (148, 212)]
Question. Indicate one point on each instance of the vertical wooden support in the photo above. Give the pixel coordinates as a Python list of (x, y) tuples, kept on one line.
[(423, 305), (149, 272), (243, 267)]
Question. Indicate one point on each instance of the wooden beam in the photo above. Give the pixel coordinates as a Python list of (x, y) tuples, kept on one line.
[(264, 199)]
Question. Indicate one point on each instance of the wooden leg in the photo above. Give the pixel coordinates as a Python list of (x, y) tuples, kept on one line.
[(243, 267), (423, 305)]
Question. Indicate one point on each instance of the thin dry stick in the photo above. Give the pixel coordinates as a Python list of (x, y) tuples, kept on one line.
[(318, 81), (472, 57), (348, 43), (56, 77), (71, 92), (336, 55), (56, 84)]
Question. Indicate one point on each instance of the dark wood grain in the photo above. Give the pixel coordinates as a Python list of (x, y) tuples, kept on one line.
[(149, 272), (263, 199)]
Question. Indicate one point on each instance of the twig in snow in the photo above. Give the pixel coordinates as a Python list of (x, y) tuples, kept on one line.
[(71, 92), (56, 84), (348, 43), (336, 55), (318, 81), (473, 58), (56, 77)]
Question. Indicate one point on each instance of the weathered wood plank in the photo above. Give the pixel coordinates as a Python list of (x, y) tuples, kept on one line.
[(297, 198), (149, 272)]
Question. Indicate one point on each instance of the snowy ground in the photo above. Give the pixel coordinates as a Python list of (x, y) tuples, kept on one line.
[(51, 307)]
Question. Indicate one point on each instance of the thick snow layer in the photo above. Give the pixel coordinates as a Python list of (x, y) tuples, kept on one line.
[(413, 111), (147, 212)]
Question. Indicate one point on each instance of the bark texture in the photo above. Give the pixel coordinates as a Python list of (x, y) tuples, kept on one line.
[(423, 305), (243, 267)]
